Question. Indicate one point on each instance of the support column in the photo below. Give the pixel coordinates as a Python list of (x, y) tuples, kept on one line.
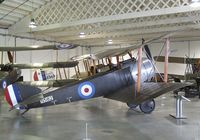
[(167, 46)]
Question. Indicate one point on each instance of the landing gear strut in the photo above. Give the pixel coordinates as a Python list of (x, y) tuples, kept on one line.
[(147, 106)]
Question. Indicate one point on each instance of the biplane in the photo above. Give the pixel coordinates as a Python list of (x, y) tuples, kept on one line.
[(192, 65), (11, 72), (128, 81), (192, 73)]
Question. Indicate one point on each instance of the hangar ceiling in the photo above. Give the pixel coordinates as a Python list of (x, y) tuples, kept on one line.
[(12, 11), (123, 21)]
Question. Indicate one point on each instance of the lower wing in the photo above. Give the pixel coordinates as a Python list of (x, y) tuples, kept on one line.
[(148, 91)]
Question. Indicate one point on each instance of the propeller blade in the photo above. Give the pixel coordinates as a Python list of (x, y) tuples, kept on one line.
[(10, 56), (148, 52)]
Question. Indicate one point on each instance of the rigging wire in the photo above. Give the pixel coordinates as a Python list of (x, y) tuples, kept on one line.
[(13, 9)]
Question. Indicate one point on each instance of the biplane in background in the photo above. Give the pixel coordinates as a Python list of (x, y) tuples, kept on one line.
[(118, 83), (11, 72), (192, 65), (192, 73)]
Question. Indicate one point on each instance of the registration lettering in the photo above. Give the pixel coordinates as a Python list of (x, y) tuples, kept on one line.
[(46, 99)]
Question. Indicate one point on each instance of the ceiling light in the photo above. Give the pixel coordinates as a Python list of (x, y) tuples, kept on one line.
[(110, 41), (81, 34), (195, 3), (35, 46), (32, 23), (37, 64)]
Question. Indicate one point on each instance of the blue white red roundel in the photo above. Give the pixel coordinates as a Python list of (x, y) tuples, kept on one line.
[(86, 90), (4, 84)]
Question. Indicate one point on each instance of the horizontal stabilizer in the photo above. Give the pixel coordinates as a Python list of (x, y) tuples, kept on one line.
[(32, 99)]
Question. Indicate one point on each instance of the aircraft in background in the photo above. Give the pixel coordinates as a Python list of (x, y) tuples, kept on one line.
[(118, 83), (192, 73), (11, 72), (38, 47), (15, 69), (42, 77), (192, 65)]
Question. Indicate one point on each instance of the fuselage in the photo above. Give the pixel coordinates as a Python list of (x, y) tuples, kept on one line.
[(101, 84)]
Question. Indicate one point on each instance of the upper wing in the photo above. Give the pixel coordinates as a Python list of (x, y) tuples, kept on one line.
[(181, 60), (34, 47), (117, 51), (148, 91), (66, 64), (171, 59)]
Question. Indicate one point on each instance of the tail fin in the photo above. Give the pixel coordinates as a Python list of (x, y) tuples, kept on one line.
[(12, 95), (17, 93), (40, 75)]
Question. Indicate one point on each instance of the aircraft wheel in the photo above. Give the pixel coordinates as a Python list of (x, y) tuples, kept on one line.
[(148, 106), (131, 106)]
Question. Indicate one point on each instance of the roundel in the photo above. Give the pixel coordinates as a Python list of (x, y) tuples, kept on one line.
[(86, 90), (4, 84)]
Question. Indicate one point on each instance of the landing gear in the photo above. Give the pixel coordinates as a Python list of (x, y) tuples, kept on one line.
[(147, 106), (132, 106)]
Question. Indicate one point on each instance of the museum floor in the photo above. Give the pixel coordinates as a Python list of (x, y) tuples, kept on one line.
[(106, 120)]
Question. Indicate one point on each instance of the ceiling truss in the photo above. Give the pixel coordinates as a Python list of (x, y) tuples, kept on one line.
[(100, 20)]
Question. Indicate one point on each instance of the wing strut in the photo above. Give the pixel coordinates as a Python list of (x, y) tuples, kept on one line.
[(118, 64), (94, 67), (166, 60), (65, 73), (110, 63), (139, 71)]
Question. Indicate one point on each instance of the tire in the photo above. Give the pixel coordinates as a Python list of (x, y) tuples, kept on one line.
[(147, 106)]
